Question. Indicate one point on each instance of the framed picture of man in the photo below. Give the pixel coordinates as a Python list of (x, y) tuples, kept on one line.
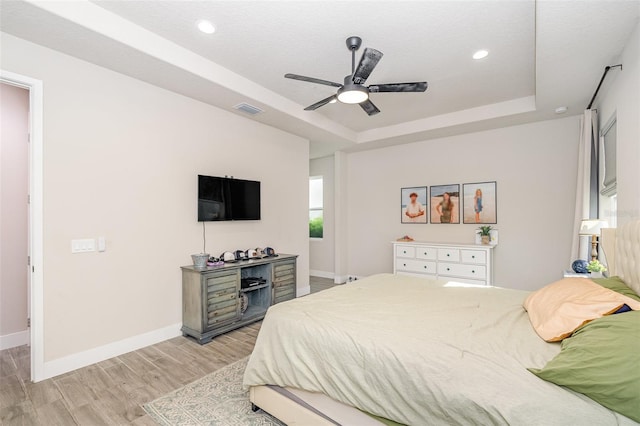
[(480, 203), (445, 204), (413, 204)]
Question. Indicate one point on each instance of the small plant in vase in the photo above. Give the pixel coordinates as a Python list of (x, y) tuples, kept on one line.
[(485, 234), (596, 268)]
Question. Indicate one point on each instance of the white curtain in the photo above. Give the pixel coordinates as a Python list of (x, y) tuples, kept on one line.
[(588, 136)]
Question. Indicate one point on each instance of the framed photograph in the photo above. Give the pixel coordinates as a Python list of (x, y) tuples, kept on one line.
[(445, 204), (413, 204), (480, 203)]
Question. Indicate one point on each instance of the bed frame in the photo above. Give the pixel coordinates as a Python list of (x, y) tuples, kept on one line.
[(295, 408)]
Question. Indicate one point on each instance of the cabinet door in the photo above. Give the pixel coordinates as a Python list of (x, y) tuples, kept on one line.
[(221, 298), (284, 281)]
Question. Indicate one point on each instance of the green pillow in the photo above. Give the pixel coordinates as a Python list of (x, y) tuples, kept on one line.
[(600, 360), (616, 284)]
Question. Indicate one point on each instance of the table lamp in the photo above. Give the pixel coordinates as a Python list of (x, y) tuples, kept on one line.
[(592, 227)]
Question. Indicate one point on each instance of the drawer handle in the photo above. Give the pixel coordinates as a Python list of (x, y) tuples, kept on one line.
[(425, 266), (473, 257), (404, 264), (448, 255), (404, 252), (448, 269), (473, 272)]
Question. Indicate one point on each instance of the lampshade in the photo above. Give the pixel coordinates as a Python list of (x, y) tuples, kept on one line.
[(352, 94), (592, 226)]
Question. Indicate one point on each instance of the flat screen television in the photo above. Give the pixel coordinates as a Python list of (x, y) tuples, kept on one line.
[(221, 199)]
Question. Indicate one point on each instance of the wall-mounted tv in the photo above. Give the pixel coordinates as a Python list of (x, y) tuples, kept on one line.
[(222, 198)]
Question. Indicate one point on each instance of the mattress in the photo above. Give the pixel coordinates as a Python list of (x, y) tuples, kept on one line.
[(417, 351)]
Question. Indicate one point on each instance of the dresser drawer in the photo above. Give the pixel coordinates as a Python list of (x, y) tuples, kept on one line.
[(450, 255), (426, 253), (476, 272), (406, 251), (413, 265), (473, 256)]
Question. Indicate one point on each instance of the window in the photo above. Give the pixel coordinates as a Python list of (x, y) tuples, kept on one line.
[(608, 190), (316, 223), (608, 141)]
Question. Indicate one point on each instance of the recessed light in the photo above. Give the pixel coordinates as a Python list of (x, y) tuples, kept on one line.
[(206, 27), (480, 54), (561, 110)]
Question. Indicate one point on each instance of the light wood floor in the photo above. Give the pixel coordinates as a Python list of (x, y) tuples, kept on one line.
[(112, 392)]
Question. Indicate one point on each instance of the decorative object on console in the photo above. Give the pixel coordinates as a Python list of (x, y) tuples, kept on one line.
[(200, 260), (485, 234), (596, 268), (228, 257), (480, 203), (445, 204), (405, 238), (580, 266), (592, 227), (413, 204)]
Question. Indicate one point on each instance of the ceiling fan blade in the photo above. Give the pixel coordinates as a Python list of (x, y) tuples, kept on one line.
[(368, 62), (312, 80), (399, 87), (320, 103), (369, 107)]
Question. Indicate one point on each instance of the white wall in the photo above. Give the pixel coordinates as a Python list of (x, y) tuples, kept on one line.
[(622, 99), (14, 184), (535, 169), (321, 253), (120, 161)]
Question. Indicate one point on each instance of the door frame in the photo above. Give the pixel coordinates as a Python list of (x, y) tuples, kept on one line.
[(36, 273)]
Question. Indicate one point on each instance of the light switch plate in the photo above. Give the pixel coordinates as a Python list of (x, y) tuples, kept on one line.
[(83, 246)]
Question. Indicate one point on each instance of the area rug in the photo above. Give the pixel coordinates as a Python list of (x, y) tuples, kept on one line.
[(217, 399)]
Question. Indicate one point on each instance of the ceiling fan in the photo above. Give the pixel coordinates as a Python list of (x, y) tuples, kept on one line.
[(353, 90)]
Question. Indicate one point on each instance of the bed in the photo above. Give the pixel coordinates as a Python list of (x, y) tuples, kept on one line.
[(415, 351)]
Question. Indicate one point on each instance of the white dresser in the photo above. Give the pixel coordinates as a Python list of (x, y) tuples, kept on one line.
[(466, 263)]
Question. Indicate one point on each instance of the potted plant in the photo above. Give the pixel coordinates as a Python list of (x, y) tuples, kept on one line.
[(596, 268), (485, 234)]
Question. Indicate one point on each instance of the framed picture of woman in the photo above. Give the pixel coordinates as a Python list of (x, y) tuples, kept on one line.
[(445, 204), (413, 204), (480, 203)]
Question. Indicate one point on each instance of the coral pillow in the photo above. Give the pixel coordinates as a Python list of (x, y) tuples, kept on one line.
[(557, 310)]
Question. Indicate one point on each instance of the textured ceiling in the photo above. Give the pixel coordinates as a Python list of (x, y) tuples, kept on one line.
[(542, 55)]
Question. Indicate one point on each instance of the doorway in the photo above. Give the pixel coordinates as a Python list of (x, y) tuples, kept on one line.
[(34, 216), (14, 216)]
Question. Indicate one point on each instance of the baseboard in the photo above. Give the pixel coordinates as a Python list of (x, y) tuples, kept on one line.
[(303, 291), (12, 340), (321, 274), (91, 356)]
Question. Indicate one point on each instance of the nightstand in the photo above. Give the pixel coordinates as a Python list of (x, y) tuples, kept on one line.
[(570, 274)]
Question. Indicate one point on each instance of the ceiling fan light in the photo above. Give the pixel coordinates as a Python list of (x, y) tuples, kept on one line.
[(352, 95)]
